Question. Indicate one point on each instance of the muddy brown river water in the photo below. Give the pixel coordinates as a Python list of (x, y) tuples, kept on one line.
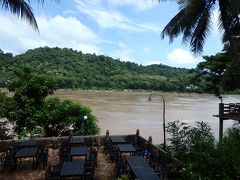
[(124, 112)]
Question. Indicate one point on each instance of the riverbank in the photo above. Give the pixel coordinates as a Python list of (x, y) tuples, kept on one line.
[(122, 112)]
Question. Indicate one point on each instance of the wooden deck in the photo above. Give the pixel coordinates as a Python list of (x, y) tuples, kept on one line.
[(228, 117), (230, 111), (104, 170)]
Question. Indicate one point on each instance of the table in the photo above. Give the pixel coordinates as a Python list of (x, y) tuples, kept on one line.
[(28, 143), (27, 152), (136, 161), (145, 173), (141, 168), (117, 140), (70, 169), (77, 140), (126, 148), (79, 151)]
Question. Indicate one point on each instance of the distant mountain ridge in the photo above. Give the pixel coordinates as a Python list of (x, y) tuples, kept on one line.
[(73, 69)]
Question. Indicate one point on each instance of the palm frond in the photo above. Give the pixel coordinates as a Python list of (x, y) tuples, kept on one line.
[(200, 32), (193, 13), (21, 9), (190, 22), (173, 28), (225, 20)]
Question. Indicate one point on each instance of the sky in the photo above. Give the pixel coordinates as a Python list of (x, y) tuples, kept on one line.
[(129, 30)]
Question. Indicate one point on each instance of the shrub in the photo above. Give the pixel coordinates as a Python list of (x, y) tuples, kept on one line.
[(200, 155)]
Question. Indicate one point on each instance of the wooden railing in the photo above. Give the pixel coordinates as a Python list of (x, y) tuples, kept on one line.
[(55, 142), (230, 109)]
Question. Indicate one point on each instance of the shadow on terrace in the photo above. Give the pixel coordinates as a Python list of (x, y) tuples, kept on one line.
[(84, 157)]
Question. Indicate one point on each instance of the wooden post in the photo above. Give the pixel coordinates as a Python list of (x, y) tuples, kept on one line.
[(137, 132), (220, 128), (98, 142), (149, 146), (70, 135), (107, 133), (221, 114), (221, 109), (150, 139), (135, 138)]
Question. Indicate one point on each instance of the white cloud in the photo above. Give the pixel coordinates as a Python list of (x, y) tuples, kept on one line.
[(109, 18), (69, 12), (122, 45), (124, 53), (139, 5), (146, 49), (182, 58), (68, 28), (153, 62), (17, 36)]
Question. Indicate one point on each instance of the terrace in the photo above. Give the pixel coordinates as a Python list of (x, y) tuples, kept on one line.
[(86, 157), (227, 111)]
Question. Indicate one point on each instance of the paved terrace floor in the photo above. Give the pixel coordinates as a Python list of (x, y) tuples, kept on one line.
[(104, 170)]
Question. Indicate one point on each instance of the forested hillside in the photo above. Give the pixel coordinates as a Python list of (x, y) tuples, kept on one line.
[(73, 69)]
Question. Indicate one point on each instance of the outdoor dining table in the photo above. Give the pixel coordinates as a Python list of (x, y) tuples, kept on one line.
[(126, 148), (141, 168), (28, 143), (145, 173), (136, 161), (79, 151), (72, 169), (27, 153), (117, 140), (77, 140)]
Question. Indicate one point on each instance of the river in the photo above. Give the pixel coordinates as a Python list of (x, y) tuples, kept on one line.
[(123, 112)]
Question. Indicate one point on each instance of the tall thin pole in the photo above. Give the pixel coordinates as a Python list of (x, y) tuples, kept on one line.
[(164, 130)]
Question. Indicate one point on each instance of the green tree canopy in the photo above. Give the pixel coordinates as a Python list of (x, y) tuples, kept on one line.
[(62, 118), (73, 69), (219, 72), (200, 156), (30, 90), (31, 112)]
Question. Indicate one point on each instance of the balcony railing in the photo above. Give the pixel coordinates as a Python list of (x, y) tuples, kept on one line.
[(54, 142), (229, 111)]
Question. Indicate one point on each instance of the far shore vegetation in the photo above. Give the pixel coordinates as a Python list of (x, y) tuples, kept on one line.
[(72, 69)]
